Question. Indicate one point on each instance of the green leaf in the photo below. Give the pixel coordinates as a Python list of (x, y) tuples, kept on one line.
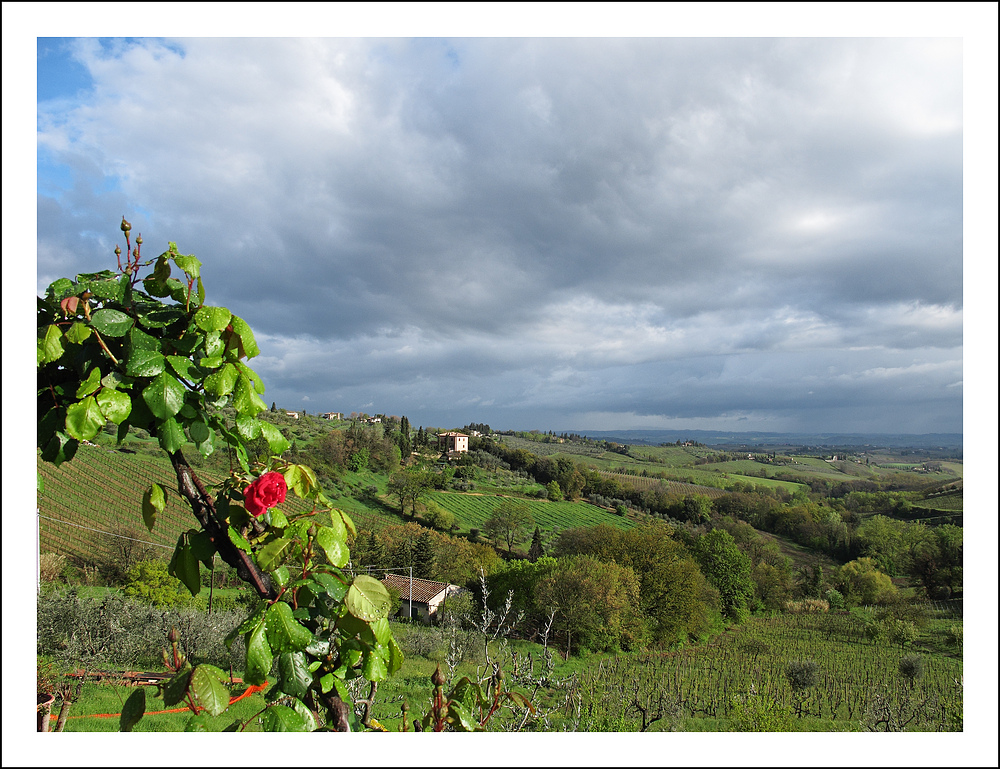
[(202, 546), (346, 520), (293, 674), (258, 383), (277, 442), (335, 587), (175, 690), (271, 556), (109, 286), (50, 345), (199, 432), (334, 546), (140, 340), (115, 405), (164, 396), (242, 328), (90, 384), (78, 333), (144, 362), (213, 345), (461, 719), (170, 435), (239, 540), (395, 656), (208, 689), (112, 323), (259, 657), (279, 718), (84, 419), (198, 723), (184, 565), (212, 318), (154, 501), (184, 367), (249, 428), (367, 599), (284, 632), (245, 398), (280, 576), (256, 618), (59, 289), (276, 518), (222, 381), (133, 710), (374, 668), (189, 264)]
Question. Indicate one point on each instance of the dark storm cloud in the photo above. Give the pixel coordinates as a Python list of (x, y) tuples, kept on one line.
[(698, 229)]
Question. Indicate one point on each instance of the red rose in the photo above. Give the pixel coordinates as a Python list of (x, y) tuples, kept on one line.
[(264, 493)]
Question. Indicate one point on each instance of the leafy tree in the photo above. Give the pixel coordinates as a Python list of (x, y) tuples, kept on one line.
[(509, 523), (674, 596), (728, 569), (437, 517), (554, 492), (593, 602), (408, 486), (862, 583), (358, 460), (697, 508)]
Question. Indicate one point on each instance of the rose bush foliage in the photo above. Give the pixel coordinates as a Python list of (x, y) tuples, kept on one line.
[(139, 348)]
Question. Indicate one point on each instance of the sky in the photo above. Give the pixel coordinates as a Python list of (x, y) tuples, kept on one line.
[(563, 233)]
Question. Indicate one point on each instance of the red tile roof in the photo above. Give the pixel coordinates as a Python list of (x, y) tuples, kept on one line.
[(424, 590)]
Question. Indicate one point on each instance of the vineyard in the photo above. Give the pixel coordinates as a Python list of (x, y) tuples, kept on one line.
[(857, 684), (679, 488), (86, 502), (472, 510)]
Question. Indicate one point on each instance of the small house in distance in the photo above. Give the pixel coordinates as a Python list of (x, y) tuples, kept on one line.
[(453, 444), (423, 596)]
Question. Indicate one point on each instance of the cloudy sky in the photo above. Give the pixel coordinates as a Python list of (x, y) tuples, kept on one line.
[(540, 232)]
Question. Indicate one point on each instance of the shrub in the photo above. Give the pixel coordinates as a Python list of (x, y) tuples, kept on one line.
[(802, 674), (911, 667), (120, 632), (150, 581), (754, 713), (808, 606), (954, 636)]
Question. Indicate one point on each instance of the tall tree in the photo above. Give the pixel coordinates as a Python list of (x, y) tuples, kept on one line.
[(728, 569), (423, 557), (536, 550)]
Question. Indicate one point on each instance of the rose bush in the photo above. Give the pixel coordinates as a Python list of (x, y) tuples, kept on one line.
[(264, 493)]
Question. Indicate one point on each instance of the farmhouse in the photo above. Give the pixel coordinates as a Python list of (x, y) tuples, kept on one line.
[(421, 596), (453, 444)]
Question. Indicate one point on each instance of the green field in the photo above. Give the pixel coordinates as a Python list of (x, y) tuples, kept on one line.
[(472, 510)]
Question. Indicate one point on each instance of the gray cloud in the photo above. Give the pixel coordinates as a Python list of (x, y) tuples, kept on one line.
[(532, 232)]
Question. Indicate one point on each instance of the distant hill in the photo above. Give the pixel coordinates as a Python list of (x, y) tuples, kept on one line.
[(718, 438)]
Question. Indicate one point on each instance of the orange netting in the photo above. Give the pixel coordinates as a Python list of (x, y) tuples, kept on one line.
[(252, 689)]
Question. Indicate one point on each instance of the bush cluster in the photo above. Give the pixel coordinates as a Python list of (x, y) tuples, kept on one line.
[(115, 631)]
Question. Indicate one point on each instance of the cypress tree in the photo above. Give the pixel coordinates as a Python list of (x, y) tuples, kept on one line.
[(423, 557), (536, 550)]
